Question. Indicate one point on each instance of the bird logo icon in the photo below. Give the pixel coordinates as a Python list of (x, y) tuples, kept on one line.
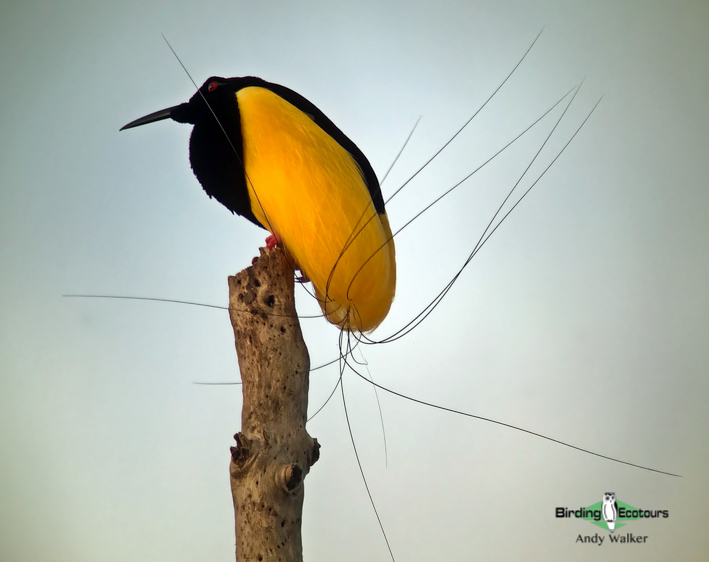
[(610, 510)]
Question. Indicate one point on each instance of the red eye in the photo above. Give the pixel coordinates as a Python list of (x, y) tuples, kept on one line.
[(212, 86)]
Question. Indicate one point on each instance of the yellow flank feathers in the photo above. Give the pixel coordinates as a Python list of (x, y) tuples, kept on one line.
[(310, 191)]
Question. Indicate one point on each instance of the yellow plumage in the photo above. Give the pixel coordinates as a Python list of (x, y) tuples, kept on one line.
[(310, 191)]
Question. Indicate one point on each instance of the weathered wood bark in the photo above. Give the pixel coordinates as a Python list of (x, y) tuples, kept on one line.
[(273, 451)]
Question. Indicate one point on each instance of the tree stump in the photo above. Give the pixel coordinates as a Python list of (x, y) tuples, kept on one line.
[(273, 451)]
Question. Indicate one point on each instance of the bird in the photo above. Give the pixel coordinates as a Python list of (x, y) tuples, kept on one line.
[(610, 510), (268, 154)]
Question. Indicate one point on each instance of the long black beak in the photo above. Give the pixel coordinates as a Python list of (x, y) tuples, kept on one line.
[(156, 116)]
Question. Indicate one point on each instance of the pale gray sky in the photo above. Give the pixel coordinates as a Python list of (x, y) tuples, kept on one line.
[(584, 318)]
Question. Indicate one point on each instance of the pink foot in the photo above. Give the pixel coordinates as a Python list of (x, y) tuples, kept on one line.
[(273, 240)]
